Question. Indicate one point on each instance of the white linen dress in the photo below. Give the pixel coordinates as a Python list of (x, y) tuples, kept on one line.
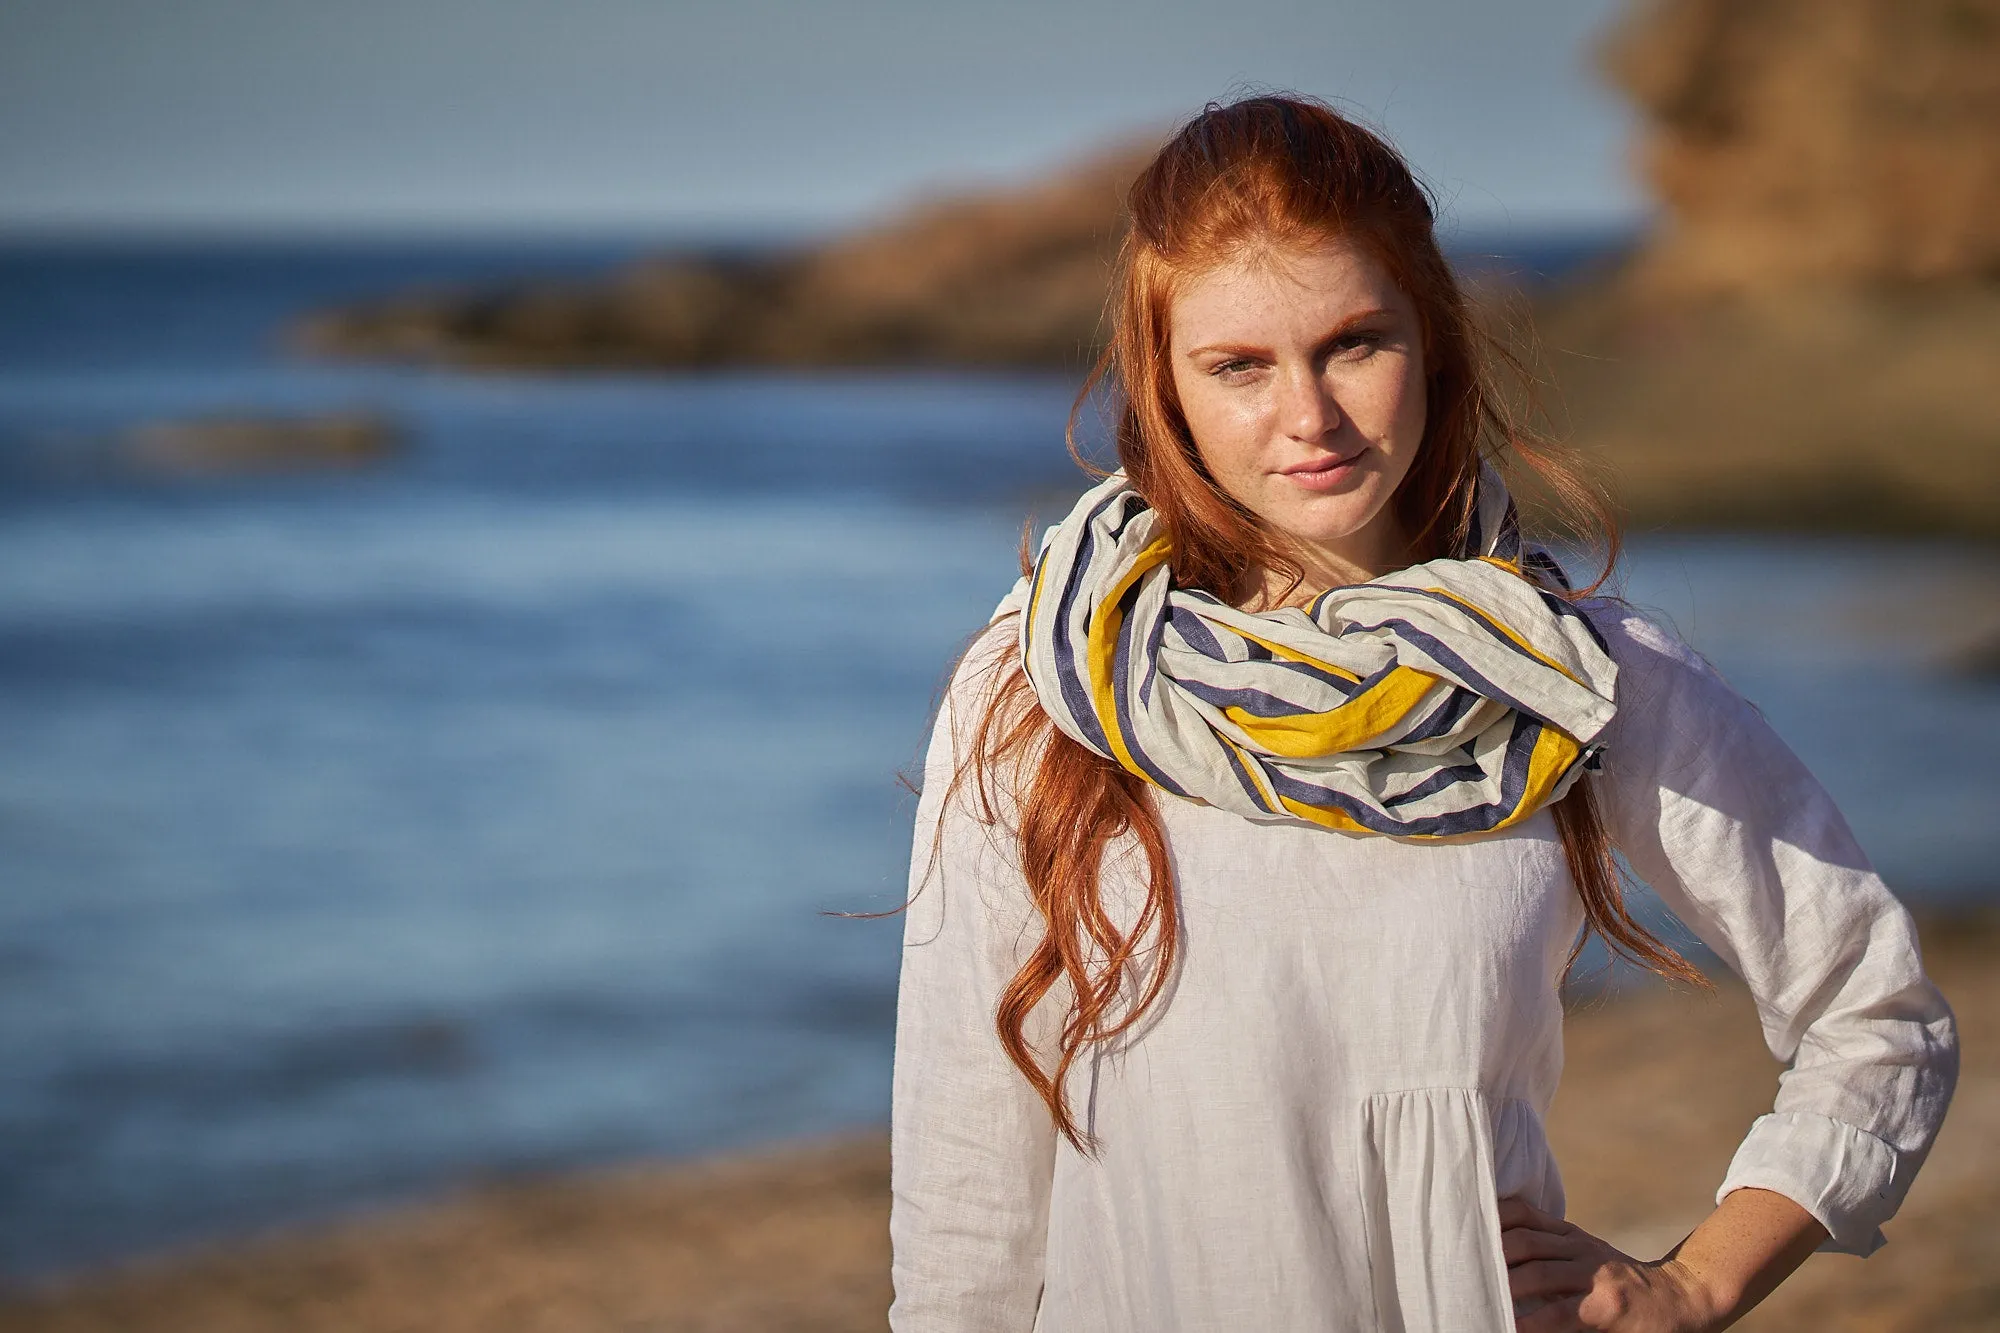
[(1360, 1046)]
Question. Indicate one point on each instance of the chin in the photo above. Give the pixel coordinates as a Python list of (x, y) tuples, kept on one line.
[(1327, 524)]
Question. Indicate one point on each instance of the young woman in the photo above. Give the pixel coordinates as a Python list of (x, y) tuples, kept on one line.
[(1259, 827)]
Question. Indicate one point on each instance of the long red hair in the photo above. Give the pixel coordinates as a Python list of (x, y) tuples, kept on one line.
[(1283, 172)]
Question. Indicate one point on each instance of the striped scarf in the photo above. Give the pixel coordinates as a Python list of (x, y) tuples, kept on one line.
[(1456, 696)]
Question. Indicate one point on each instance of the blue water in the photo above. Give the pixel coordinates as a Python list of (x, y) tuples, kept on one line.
[(479, 812)]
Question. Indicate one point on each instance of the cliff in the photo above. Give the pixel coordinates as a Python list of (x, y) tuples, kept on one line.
[(1808, 337), (1800, 142)]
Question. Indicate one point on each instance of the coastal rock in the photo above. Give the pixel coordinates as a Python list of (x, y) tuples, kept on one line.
[(1806, 340), (1811, 141), (261, 443), (1005, 277)]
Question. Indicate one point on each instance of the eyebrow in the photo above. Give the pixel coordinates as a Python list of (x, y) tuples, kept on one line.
[(1340, 330)]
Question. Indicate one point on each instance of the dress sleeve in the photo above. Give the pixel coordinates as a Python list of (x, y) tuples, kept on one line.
[(972, 1146), (1725, 823)]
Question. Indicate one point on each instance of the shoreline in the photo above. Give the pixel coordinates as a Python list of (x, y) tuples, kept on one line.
[(794, 1236)]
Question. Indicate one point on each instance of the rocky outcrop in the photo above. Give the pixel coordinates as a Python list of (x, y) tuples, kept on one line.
[(1810, 141), (1012, 277), (261, 443), (1806, 340)]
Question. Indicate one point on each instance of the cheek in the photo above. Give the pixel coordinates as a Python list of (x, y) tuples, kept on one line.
[(1226, 429), (1400, 414), (1397, 405)]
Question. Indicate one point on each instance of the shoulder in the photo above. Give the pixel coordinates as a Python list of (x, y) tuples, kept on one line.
[(1683, 736), (986, 676), (977, 678), (1677, 716), (1635, 637), (1656, 666)]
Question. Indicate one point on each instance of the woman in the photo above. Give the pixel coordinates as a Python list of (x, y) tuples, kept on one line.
[(1260, 825)]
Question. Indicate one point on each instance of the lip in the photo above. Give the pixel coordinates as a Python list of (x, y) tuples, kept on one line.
[(1323, 473)]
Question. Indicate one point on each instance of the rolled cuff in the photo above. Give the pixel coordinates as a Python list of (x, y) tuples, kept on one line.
[(1843, 1176)]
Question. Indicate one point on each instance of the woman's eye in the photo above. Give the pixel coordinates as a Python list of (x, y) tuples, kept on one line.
[(1233, 370), (1357, 344)]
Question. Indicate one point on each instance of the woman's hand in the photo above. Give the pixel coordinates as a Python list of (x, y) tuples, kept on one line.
[(1563, 1278)]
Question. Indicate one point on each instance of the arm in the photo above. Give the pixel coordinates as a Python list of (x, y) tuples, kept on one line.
[(1740, 1253), (972, 1147), (1748, 850)]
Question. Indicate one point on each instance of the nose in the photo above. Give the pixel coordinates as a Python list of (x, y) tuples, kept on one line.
[(1307, 407)]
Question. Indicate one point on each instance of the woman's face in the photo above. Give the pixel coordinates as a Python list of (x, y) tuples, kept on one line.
[(1301, 375)]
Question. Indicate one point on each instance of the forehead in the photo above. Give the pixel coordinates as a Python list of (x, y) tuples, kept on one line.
[(1271, 288)]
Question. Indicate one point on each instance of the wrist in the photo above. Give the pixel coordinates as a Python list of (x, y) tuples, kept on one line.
[(1705, 1302)]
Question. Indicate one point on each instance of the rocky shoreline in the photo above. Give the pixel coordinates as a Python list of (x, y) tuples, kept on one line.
[(1659, 1089), (1806, 340)]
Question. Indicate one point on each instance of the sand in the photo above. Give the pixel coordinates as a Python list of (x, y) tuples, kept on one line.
[(1660, 1088)]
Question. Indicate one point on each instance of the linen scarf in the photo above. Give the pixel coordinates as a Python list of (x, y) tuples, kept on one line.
[(1456, 696)]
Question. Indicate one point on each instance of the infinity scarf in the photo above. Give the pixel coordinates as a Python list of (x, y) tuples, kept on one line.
[(1456, 696)]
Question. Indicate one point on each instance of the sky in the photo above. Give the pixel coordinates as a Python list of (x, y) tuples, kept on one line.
[(608, 116)]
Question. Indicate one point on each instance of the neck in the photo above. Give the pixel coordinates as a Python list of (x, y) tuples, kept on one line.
[(1323, 567)]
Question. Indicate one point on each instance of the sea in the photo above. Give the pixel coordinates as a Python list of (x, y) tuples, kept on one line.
[(504, 806)]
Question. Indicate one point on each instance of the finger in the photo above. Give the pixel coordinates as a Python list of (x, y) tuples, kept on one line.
[(1550, 1277), (1520, 1244), (1560, 1317), (1517, 1211)]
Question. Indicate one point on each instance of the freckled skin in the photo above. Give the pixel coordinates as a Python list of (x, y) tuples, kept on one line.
[(1286, 359)]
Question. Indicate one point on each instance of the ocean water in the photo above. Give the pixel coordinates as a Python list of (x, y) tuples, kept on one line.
[(482, 811)]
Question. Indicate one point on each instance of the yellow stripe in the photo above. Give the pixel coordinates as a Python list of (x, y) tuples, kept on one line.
[(1294, 655), (1102, 649), (1554, 752), (1034, 597), (1351, 726), (1326, 817), (1269, 799), (1505, 629)]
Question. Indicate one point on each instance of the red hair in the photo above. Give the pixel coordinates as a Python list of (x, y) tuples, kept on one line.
[(1281, 173)]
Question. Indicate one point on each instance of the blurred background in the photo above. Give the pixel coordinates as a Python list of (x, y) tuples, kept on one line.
[(489, 490)]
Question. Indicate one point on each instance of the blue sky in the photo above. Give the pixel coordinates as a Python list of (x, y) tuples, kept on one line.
[(508, 116)]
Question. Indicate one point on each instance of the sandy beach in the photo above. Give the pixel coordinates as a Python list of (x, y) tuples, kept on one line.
[(1660, 1087)]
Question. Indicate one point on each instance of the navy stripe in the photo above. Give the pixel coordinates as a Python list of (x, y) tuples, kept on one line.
[(1542, 562), (1243, 777), (1474, 819), (1520, 755), (1262, 703), (1450, 660), (1507, 542), (1124, 520), (1477, 819), (1194, 631), (1479, 618), (1257, 652), (1075, 693), (1121, 670), (1437, 782), (1255, 702), (1156, 632), (1444, 717)]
